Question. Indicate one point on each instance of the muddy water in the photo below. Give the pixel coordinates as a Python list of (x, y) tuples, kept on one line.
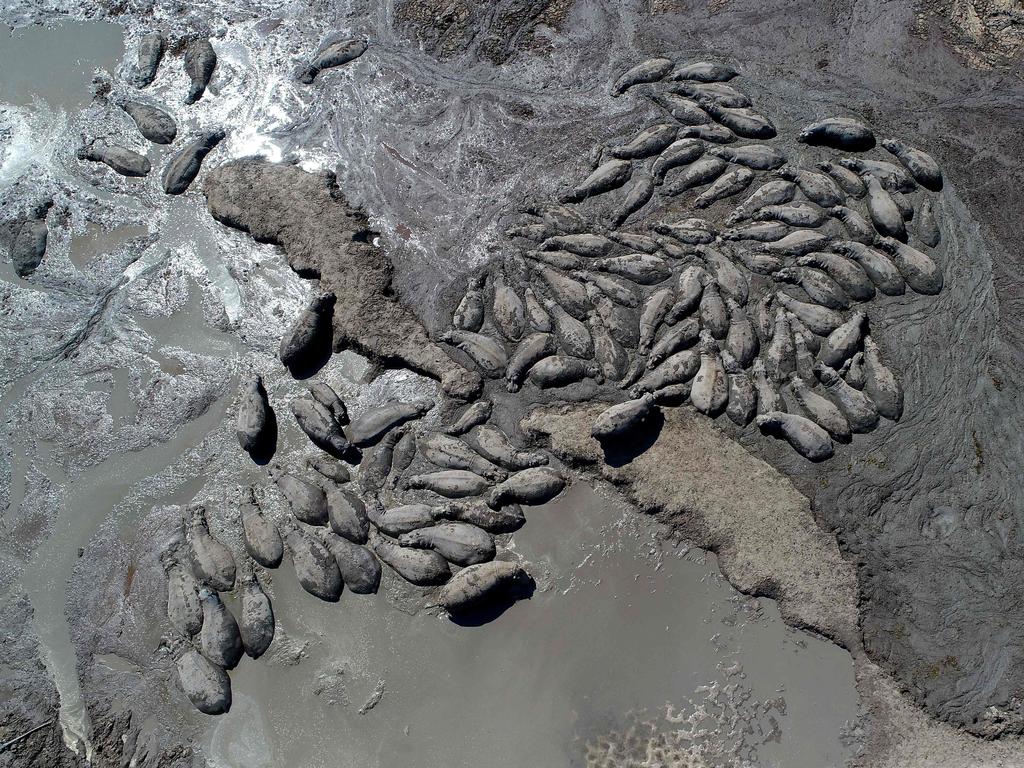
[(626, 629), (96, 241), (55, 63), (47, 73), (45, 578), (631, 645)]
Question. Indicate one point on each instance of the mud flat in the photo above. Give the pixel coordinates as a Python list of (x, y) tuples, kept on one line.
[(308, 217), (120, 372), (692, 479)]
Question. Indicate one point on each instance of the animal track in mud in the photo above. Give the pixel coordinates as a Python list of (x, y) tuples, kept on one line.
[(743, 287)]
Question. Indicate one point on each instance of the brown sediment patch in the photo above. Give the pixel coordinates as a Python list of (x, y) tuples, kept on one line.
[(712, 491), (322, 236)]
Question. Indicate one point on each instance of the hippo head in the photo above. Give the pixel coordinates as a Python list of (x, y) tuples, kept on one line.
[(707, 344), (786, 274), (460, 383), (494, 498), (825, 374), (593, 292), (887, 244), (169, 557), (173, 646), (322, 301), (198, 513), (411, 539), (520, 582), (787, 172), (730, 363)]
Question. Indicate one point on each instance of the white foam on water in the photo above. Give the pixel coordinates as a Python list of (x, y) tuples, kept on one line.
[(257, 113), (722, 727), (35, 135), (315, 161), (259, 101), (249, 141)]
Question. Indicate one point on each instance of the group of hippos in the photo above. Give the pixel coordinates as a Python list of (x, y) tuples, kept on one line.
[(742, 286), (340, 531), (157, 125), (755, 309)]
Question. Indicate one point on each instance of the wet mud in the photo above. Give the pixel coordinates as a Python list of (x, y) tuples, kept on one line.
[(126, 346)]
